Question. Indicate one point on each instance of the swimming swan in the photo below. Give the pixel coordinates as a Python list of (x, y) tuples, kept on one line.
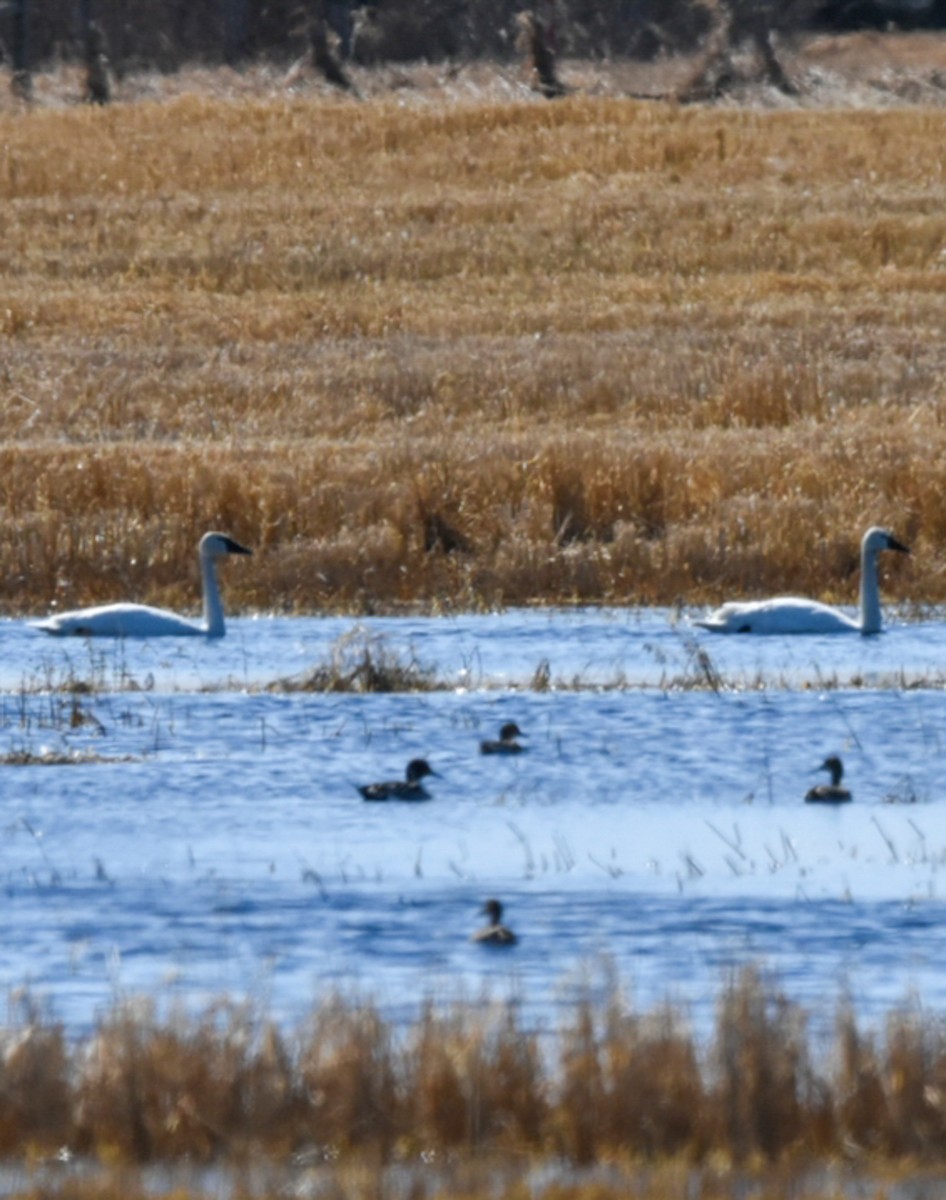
[(141, 620), (833, 792), (789, 614)]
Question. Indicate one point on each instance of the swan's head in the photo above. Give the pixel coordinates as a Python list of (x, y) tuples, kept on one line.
[(215, 545), (418, 769), (509, 731), (877, 539), (494, 910)]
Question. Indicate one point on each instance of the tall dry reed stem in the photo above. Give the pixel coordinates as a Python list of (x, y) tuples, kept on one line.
[(152, 1089), (475, 1079), (35, 1103), (763, 1079), (347, 1068)]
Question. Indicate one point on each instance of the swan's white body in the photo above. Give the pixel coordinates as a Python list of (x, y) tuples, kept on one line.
[(143, 621), (792, 614)]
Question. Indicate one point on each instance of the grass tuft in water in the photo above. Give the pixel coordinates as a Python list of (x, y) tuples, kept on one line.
[(361, 661), (24, 757)]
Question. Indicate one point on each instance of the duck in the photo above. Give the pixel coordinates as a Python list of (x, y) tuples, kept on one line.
[(507, 743), (829, 793), (495, 933), (408, 788), (144, 621), (791, 614)]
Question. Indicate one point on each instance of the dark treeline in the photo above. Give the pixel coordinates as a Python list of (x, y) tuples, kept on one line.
[(164, 34)]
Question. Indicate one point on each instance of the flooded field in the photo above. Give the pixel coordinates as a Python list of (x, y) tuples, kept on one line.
[(202, 834)]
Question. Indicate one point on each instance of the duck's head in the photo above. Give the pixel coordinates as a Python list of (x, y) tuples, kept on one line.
[(418, 769), (509, 731), (215, 545), (494, 910), (833, 764)]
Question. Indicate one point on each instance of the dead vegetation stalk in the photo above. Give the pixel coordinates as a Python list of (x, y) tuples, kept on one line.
[(469, 1078)]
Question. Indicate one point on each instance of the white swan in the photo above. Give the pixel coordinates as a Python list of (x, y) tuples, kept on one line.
[(141, 620), (790, 614)]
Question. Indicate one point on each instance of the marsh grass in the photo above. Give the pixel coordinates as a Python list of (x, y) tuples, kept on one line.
[(362, 661), (468, 1082), (455, 347), (25, 757)]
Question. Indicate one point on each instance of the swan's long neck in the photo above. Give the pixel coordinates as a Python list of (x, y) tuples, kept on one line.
[(871, 620), (213, 606)]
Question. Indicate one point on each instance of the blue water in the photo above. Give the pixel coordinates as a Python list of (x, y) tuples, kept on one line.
[(650, 828)]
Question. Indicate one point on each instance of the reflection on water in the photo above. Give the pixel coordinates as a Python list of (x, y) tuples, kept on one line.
[(226, 848)]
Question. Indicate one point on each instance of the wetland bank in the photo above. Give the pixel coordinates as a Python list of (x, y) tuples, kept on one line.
[(450, 350)]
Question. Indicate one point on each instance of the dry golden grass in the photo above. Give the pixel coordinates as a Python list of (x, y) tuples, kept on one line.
[(456, 346), (466, 1088)]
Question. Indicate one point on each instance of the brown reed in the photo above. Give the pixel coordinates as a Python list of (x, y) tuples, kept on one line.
[(361, 661), (458, 351), (468, 1082)]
